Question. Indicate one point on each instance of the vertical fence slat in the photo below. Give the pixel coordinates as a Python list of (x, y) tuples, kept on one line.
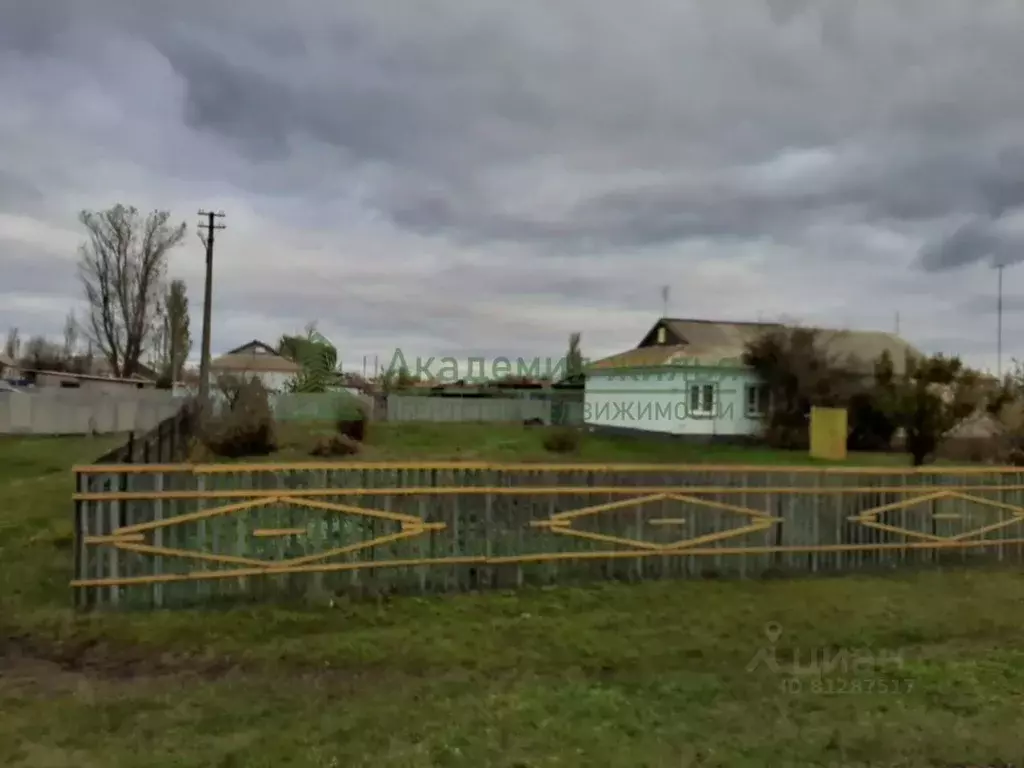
[(818, 513)]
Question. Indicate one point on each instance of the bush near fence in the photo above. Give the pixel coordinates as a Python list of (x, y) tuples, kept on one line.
[(451, 527)]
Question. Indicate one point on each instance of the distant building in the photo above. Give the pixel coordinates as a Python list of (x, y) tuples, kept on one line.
[(8, 368), (687, 377), (66, 380), (256, 360)]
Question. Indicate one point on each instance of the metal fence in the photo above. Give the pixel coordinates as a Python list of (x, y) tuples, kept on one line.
[(184, 535)]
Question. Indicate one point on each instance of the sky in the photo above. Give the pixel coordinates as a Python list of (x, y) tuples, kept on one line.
[(481, 179)]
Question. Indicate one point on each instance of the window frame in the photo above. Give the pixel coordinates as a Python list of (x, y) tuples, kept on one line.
[(701, 389), (754, 396)]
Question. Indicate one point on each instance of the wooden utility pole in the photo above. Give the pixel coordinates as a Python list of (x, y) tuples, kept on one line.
[(211, 226), (999, 321)]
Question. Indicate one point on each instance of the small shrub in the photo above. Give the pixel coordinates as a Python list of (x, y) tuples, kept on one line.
[(335, 445), (351, 422), (353, 429), (562, 441), (200, 453), (247, 428)]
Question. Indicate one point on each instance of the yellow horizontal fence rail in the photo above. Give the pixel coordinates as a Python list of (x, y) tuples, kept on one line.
[(473, 466), (154, 535)]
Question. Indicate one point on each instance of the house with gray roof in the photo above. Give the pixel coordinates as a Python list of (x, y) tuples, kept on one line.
[(687, 377)]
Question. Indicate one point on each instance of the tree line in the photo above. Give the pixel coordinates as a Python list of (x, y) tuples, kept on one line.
[(134, 316), (925, 399)]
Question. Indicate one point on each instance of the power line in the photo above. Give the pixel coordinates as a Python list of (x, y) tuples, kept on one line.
[(211, 226)]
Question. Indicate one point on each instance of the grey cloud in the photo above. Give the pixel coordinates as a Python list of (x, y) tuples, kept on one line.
[(415, 105), (566, 157), (976, 240), (988, 304), (36, 271), (18, 194)]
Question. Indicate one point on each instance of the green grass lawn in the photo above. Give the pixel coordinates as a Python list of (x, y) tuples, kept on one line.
[(514, 442), (655, 674)]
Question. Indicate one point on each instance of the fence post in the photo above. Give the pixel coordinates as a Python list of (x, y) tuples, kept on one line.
[(173, 438), (163, 441), (117, 518), (81, 558), (158, 539)]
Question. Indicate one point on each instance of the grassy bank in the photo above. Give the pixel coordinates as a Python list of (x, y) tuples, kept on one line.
[(515, 442), (655, 674)]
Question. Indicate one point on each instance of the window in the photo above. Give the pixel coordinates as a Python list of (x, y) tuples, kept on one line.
[(758, 400), (661, 335), (702, 400)]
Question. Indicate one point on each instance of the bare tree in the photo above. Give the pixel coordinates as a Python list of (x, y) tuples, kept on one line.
[(12, 346), (70, 335), (574, 357), (41, 354), (122, 268)]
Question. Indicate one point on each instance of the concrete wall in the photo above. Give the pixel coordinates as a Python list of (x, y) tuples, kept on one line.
[(661, 401), (296, 406), (328, 406), (418, 408), (79, 411)]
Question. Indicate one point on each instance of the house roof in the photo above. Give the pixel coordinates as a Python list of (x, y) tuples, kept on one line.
[(722, 344), (101, 367), (135, 379), (255, 356)]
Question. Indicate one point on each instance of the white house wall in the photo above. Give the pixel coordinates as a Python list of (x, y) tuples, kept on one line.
[(653, 401), (273, 380)]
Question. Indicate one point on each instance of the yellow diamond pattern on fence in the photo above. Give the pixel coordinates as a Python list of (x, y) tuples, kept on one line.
[(564, 523), (1008, 514), (139, 538)]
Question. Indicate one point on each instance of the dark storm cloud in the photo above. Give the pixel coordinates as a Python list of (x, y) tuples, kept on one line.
[(417, 107), (456, 101), (568, 158), (976, 240), (893, 186)]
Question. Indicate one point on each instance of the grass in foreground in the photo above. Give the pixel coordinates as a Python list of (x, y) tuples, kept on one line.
[(515, 442), (656, 674)]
